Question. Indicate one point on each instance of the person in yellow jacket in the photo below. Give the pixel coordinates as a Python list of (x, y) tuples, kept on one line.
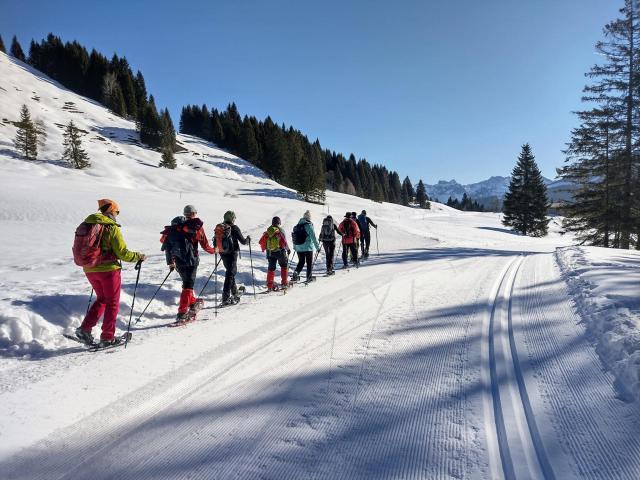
[(104, 277)]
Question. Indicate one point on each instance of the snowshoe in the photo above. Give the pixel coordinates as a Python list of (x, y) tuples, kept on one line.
[(183, 319), (113, 343), (84, 337)]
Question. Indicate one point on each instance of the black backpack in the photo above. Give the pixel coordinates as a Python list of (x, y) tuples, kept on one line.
[(327, 233), (299, 234)]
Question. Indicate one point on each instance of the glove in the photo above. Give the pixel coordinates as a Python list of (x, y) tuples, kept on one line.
[(172, 267), (143, 257), (248, 238)]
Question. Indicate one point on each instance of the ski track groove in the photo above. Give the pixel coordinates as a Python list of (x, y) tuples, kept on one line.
[(202, 359), (434, 417), (579, 423), (154, 407), (522, 453)]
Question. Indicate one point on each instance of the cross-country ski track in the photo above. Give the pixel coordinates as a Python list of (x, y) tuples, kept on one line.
[(443, 376)]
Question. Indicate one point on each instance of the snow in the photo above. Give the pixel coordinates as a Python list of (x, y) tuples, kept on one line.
[(605, 285), (460, 351)]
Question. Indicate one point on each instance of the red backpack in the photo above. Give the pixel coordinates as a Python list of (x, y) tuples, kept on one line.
[(86, 244), (222, 232)]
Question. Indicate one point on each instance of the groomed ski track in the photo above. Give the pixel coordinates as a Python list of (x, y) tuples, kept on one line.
[(433, 363)]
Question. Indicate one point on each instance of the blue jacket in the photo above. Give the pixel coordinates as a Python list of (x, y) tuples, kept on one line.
[(308, 245)]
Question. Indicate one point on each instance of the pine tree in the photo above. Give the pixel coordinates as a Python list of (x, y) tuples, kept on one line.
[(602, 155), (405, 195), (168, 133), (406, 183), (593, 213), (112, 95), (73, 153), (421, 195), (26, 141), (526, 202), (168, 160), (16, 50), (2, 49), (151, 126)]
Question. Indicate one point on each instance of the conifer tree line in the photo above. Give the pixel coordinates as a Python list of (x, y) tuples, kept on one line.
[(603, 159), (466, 204), (110, 82), (291, 159)]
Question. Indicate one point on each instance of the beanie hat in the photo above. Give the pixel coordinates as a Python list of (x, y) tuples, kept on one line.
[(106, 205), (364, 212), (275, 221), (353, 214), (190, 209), (229, 216), (307, 216)]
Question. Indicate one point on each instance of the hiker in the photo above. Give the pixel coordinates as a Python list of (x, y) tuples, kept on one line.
[(180, 244), (350, 232), (227, 241), (274, 242), (103, 272), (304, 243), (328, 238), (365, 232)]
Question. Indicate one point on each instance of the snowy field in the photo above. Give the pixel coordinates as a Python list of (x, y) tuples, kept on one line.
[(461, 351)]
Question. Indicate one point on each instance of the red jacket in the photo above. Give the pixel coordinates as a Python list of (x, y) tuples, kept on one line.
[(349, 231), (282, 240)]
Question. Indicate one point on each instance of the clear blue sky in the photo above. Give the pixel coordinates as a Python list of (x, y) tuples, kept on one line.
[(435, 90)]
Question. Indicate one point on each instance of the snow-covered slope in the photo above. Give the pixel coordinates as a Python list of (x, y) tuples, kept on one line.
[(455, 353), (45, 200)]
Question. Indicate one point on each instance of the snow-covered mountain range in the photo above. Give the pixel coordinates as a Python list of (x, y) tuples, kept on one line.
[(489, 192)]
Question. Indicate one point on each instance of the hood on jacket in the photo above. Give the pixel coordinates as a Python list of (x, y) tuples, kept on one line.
[(100, 218)]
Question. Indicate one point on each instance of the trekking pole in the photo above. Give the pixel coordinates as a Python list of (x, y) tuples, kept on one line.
[(89, 304), (138, 267), (208, 279), (293, 252), (154, 296), (215, 286), (377, 247), (253, 278)]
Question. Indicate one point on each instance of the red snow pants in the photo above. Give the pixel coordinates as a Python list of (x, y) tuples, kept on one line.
[(106, 285)]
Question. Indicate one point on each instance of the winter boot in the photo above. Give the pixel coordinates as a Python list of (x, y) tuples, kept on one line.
[(182, 317), (186, 299), (86, 337), (284, 277), (196, 306), (270, 276), (226, 302), (295, 277), (112, 342)]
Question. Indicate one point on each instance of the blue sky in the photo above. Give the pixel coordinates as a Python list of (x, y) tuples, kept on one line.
[(434, 90)]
